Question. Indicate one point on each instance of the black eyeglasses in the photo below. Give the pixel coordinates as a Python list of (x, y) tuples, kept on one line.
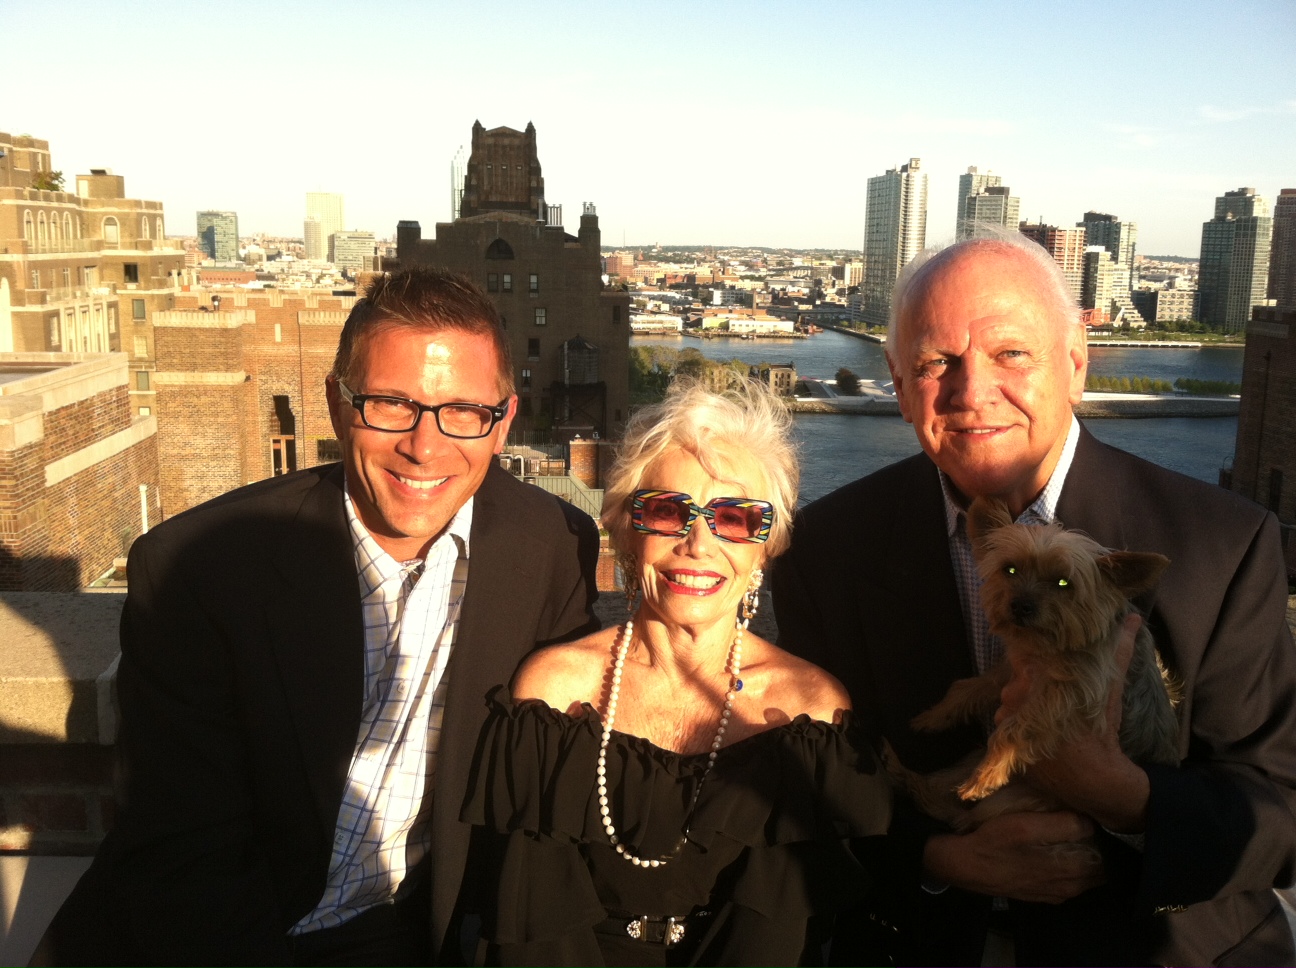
[(397, 415), (672, 513)]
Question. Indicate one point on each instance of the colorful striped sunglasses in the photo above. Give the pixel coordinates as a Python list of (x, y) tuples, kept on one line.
[(672, 513)]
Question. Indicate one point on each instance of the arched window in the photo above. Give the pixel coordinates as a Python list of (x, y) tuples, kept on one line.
[(29, 227), (499, 249), (159, 235), (67, 226), (54, 227), (144, 227), (111, 235), (41, 235)]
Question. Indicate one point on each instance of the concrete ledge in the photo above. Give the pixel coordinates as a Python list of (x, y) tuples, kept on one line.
[(57, 646)]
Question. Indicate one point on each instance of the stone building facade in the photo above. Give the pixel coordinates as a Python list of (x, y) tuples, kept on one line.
[(1264, 459), (569, 334), (78, 470), (83, 271), (240, 387)]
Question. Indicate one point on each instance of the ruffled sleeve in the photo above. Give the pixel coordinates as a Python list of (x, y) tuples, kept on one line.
[(776, 808)]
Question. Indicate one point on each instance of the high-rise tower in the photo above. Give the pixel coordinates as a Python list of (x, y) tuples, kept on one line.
[(326, 209), (1066, 246), (1282, 253), (456, 183), (1234, 267), (895, 230), (218, 235), (1119, 240), (984, 198)]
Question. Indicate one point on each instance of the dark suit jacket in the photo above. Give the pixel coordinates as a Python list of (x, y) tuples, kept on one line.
[(241, 689), (868, 592)]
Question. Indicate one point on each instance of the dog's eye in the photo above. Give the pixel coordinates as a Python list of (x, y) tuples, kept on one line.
[(1063, 583), (1010, 569)]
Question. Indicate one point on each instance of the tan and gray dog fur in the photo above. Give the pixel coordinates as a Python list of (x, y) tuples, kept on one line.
[(1058, 598)]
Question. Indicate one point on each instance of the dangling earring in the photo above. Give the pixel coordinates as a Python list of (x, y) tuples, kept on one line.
[(750, 600)]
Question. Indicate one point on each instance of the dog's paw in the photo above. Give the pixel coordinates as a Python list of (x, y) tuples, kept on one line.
[(991, 776)]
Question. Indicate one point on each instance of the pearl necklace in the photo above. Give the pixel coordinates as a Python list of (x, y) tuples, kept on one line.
[(618, 667)]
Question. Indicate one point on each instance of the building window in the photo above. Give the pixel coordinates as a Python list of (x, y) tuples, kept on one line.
[(131, 271), (141, 347), (526, 406), (111, 235), (540, 316), (499, 249), (67, 226), (145, 411), (142, 380), (54, 330), (526, 380), (533, 285), (35, 278), (507, 282), (533, 348), (503, 321), (328, 451), (137, 310), (41, 228), (144, 227), (158, 222), (616, 314), (492, 282), (67, 278), (29, 227)]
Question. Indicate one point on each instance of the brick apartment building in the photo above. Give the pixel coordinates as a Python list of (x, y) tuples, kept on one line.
[(1264, 460), (568, 333), (78, 471)]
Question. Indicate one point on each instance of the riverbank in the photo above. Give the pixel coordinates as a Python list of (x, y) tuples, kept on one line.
[(873, 401)]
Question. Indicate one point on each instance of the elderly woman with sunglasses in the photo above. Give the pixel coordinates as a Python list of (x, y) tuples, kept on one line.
[(677, 790)]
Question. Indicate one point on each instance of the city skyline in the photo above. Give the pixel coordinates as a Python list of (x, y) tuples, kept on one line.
[(750, 124)]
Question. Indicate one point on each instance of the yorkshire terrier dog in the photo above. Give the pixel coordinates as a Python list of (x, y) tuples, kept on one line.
[(1059, 599)]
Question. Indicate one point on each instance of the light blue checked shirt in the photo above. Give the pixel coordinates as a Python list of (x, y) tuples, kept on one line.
[(411, 616), (986, 647)]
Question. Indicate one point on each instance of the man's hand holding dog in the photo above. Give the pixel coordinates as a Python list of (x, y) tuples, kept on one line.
[(1043, 857), (1091, 774)]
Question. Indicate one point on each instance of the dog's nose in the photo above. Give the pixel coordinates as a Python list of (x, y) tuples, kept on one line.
[(1023, 609)]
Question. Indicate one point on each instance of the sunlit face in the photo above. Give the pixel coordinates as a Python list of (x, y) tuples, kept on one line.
[(986, 377), (697, 579), (407, 486)]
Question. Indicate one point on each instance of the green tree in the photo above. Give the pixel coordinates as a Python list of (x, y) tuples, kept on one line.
[(48, 181), (847, 382)]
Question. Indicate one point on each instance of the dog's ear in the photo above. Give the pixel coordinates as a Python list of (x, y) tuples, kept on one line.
[(1133, 571), (985, 515)]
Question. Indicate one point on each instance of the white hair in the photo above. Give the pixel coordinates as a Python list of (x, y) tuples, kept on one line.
[(1060, 303)]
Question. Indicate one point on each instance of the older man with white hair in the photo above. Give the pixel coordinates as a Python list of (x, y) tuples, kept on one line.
[(988, 359)]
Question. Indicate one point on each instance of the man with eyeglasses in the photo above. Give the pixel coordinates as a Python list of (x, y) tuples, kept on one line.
[(306, 660)]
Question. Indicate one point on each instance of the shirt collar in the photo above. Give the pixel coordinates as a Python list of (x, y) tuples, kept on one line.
[(375, 565), (1044, 508)]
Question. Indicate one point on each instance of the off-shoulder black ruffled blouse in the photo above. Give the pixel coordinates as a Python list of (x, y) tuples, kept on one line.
[(766, 848)]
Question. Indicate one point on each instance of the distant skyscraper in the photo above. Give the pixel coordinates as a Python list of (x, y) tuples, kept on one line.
[(895, 230), (1234, 267), (1282, 256), (457, 182), (1120, 241), (984, 198), (1066, 246), (354, 250), (326, 209), (218, 235)]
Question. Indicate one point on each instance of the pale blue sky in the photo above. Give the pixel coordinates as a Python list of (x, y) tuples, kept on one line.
[(726, 123)]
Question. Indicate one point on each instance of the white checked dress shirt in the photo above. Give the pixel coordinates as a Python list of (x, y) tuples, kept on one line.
[(411, 617), (986, 647)]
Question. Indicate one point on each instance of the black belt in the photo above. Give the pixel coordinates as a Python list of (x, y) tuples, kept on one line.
[(665, 930)]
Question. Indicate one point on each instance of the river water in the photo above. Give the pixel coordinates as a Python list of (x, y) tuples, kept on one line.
[(838, 448)]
